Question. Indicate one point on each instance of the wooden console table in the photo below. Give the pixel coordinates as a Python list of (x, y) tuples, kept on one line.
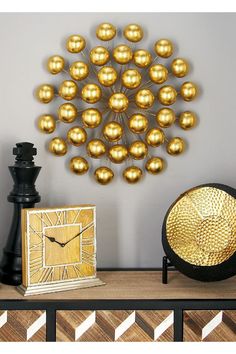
[(132, 306)]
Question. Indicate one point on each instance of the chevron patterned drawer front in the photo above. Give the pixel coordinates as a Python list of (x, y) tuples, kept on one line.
[(210, 326), (22, 326), (110, 326)]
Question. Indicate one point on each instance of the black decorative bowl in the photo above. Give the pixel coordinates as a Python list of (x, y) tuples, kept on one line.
[(199, 232)]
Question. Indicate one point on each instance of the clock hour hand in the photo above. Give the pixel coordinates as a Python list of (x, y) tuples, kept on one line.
[(52, 239), (84, 229), (62, 244)]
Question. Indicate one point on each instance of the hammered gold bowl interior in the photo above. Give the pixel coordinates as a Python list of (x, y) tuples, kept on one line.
[(201, 226)]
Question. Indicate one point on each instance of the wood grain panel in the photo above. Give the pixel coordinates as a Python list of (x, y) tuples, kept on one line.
[(95, 334), (115, 323), (135, 334), (21, 326), (210, 326), (143, 285), (158, 324), (79, 326), (69, 323), (121, 326)]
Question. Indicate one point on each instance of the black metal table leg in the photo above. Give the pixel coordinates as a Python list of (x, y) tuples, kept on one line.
[(166, 264), (50, 325), (178, 325), (164, 270)]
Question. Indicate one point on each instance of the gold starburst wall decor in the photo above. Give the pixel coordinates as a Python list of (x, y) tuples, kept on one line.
[(115, 99)]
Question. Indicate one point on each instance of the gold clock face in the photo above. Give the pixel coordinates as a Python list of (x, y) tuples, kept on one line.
[(59, 244)]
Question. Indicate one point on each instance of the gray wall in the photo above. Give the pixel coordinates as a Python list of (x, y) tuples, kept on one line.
[(129, 217)]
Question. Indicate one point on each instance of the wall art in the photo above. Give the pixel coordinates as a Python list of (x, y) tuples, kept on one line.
[(114, 101)]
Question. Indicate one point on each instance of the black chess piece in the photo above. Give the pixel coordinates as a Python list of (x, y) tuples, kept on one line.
[(23, 195)]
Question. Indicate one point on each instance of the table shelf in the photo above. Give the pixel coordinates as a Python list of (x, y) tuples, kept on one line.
[(132, 305)]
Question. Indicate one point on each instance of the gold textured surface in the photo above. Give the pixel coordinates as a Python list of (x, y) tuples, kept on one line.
[(201, 227)]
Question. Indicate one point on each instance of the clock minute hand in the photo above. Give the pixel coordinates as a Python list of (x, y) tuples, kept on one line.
[(86, 228)]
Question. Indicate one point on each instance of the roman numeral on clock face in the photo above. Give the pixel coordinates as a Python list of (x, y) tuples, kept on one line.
[(47, 274), (35, 266), (77, 213), (78, 271), (37, 233), (64, 273), (65, 217), (36, 246), (87, 242), (36, 263), (88, 258), (60, 220), (45, 219)]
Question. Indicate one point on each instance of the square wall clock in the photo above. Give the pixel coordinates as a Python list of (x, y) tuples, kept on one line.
[(58, 249)]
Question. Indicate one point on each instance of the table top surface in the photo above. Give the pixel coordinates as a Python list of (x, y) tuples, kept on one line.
[(141, 285)]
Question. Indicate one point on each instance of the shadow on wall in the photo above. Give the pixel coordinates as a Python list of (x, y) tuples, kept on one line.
[(148, 230), (152, 209), (107, 235), (6, 185)]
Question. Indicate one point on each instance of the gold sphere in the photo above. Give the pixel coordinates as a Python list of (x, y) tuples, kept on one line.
[(188, 91), (165, 117), (133, 33), (45, 93), (164, 48), (118, 102), (132, 174), (55, 64), (142, 58), (79, 165), (105, 32), (91, 93), (179, 67), (155, 137), (187, 120), (47, 123), (96, 148), (67, 112), (175, 146), (99, 55), (117, 153), (122, 54), (154, 165), (131, 78), (77, 136), (113, 131), (91, 117), (138, 123), (79, 70), (138, 150), (144, 98), (167, 95), (68, 90), (107, 76), (158, 73), (103, 175), (75, 43), (58, 146)]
